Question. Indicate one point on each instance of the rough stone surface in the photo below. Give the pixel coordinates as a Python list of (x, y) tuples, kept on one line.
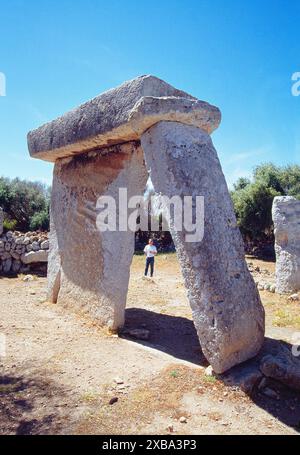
[(247, 376), (284, 367), (227, 311), (7, 263), (45, 245), (89, 269), (286, 218), (35, 256), (35, 246), (117, 116)]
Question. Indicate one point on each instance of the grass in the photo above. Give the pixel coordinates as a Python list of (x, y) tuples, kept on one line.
[(168, 287), (286, 317), (161, 396), (209, 379), (138, 409), (90, 396), (174, 374)]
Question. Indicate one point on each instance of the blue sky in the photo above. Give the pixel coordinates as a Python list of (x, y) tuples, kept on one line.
[(238, 55)]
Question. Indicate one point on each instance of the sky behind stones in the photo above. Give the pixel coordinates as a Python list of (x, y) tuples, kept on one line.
[(238, 55)]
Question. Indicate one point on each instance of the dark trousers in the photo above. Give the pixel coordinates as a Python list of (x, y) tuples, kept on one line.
[(149, 261)]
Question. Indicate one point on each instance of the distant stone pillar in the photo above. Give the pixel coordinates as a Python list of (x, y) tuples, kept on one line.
[(226, 307), (89, 269), (286, 218)]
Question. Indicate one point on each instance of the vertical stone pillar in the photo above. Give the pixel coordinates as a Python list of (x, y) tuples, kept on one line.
[(226, 307), (89, 269), (286, 218)]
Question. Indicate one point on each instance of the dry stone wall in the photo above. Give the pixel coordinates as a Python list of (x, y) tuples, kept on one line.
[(22, 252)]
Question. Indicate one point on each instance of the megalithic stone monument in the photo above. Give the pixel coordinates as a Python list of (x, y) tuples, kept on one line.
[(286, 218), (110, 143)]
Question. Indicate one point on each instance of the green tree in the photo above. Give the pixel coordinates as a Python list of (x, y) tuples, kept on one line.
[(269, 175), (241, 183), (253, 206), (40, 220), (253, 200), (22, 200), (291, 180)]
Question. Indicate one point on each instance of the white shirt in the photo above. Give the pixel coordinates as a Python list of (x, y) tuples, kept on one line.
[(149, 250)]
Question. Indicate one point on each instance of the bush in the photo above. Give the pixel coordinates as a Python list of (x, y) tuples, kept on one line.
[(22, 201), (39, 220), (253, 207), (9, 225), (253, 200)]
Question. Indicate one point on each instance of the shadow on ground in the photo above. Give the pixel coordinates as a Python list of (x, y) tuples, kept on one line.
[(177, 336), (173, 335), (31, 406)]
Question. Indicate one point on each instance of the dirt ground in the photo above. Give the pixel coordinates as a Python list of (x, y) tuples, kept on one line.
[(61, 371)]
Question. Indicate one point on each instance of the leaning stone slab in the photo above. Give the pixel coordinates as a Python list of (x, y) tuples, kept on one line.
[(286, 218), (226, 307), (120, 115)]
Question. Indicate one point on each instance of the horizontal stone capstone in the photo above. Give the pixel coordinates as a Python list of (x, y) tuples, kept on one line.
[(120, 115)]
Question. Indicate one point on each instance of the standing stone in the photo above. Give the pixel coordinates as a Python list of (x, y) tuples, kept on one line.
[(225, 303), (89, 269), (286, 218)]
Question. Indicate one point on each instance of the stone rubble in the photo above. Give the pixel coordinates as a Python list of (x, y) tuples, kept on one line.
[(283, 367)]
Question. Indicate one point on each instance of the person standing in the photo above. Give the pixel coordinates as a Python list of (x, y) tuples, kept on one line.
[(150, 252)]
